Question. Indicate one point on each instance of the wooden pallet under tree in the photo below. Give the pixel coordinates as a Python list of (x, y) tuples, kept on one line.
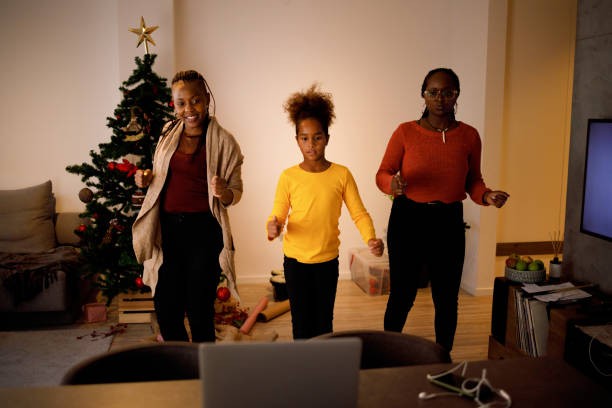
[(135, 307)]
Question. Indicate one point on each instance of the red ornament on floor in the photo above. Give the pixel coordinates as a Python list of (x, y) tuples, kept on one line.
[(223, 294), (138, 282)]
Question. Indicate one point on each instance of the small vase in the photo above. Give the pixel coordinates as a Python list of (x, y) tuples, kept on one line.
[(554, 270)]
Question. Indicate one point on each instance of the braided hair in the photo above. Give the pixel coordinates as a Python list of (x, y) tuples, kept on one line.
[(447, 71), (194, 76)]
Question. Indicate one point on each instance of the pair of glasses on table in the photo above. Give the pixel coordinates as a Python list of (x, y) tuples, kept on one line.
[(478, 389)]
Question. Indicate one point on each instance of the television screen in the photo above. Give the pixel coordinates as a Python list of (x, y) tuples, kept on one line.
[(597, 195)]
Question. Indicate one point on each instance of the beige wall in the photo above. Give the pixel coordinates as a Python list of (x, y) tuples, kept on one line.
[(60, 85), (62, 64), (371, 56), (539, 72)]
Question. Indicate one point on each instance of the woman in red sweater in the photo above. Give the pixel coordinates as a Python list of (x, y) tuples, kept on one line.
[(429, 166)]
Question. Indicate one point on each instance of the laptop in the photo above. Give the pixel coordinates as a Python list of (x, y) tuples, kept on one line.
[(299, 374)]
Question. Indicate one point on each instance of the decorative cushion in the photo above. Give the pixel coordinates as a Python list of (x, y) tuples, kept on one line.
[(26, 219)]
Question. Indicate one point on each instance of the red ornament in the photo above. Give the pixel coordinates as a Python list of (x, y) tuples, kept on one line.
[(223, 293), (82, 228), (171, 104), (127, 167), (112, 165), (154, 90), (118, 117), (138, 282), (95, 216)]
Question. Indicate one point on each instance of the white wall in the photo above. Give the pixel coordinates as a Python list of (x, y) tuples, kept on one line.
[(63, 71), (59, 83), (371, 56)]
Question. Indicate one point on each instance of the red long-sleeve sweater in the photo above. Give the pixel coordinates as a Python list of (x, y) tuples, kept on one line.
[(434, 170)]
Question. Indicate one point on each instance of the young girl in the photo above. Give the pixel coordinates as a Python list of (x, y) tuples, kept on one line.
[(314, 191), (182, 233)]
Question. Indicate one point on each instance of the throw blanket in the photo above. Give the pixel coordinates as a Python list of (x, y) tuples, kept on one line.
[(25, 275)]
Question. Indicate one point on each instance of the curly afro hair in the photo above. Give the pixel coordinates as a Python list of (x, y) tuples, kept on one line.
[(311, 104)]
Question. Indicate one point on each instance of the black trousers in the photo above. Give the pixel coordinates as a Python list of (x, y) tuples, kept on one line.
[(432, 236), (312, 293), (189, 275)]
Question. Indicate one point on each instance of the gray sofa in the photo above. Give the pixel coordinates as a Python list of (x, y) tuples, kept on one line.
[(29, 225)]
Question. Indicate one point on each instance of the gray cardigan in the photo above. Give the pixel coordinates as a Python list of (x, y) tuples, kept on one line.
[(224, 159)]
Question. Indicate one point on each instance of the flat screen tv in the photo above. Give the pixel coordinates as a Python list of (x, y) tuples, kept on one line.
[(596, 217)]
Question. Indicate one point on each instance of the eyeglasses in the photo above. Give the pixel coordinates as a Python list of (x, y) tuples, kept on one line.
[(445, 93)]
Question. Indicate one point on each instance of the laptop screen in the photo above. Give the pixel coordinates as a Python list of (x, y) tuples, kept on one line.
[(303, 373)]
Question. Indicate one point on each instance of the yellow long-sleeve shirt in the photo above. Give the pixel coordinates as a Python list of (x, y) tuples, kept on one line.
[(315, 201)]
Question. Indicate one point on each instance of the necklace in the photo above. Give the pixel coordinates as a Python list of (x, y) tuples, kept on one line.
[(443, 131)]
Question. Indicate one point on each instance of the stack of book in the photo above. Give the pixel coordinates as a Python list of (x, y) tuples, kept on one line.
[(532, 321), (532, 313)]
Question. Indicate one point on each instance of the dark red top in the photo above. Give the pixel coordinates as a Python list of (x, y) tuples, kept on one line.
[(186, 187)]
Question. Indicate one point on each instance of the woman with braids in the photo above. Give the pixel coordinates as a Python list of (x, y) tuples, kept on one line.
[(429, 166), (314, 191), (182, 233)]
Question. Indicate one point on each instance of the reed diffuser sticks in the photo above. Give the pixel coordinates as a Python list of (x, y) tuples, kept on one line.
[(555, 240)]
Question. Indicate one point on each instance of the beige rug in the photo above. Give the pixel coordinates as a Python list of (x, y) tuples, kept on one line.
[(42, 357)]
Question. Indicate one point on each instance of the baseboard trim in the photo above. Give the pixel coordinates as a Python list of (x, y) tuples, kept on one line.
[(344, 275), (525, 248)]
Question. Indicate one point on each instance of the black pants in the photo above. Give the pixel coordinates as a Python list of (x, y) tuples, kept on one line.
[(432, 236), (312, 293), (189, 276)]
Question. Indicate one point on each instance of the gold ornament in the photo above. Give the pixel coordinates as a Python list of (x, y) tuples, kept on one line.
[(133, 138), (133, 126), (144, 34)]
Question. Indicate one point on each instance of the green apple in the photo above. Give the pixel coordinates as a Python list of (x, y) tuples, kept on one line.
[(539, 262), (521, 266), (534, 266)]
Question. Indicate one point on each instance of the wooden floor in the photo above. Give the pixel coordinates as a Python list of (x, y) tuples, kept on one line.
[(356, 310)]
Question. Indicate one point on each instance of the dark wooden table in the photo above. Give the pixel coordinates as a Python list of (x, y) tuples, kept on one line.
[(531, 382)]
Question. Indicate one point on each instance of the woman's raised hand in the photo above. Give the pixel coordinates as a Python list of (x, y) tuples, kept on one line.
[(496, 198), (376, 246), (274, 228), (218, 185), (143, 178), (397, 185)]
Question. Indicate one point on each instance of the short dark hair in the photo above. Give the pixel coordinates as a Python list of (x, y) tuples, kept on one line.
[(447, 71), (311, 104)]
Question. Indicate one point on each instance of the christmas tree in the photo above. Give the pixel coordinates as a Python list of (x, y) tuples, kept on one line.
[(112, 198)]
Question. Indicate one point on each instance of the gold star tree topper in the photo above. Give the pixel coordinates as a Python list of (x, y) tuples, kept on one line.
[(144, 34)]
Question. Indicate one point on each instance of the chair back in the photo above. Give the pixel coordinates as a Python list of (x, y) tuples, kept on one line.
[(151, 362), (390, 349)]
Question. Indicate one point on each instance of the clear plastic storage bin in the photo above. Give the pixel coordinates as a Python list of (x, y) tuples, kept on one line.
[(369, 272)]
